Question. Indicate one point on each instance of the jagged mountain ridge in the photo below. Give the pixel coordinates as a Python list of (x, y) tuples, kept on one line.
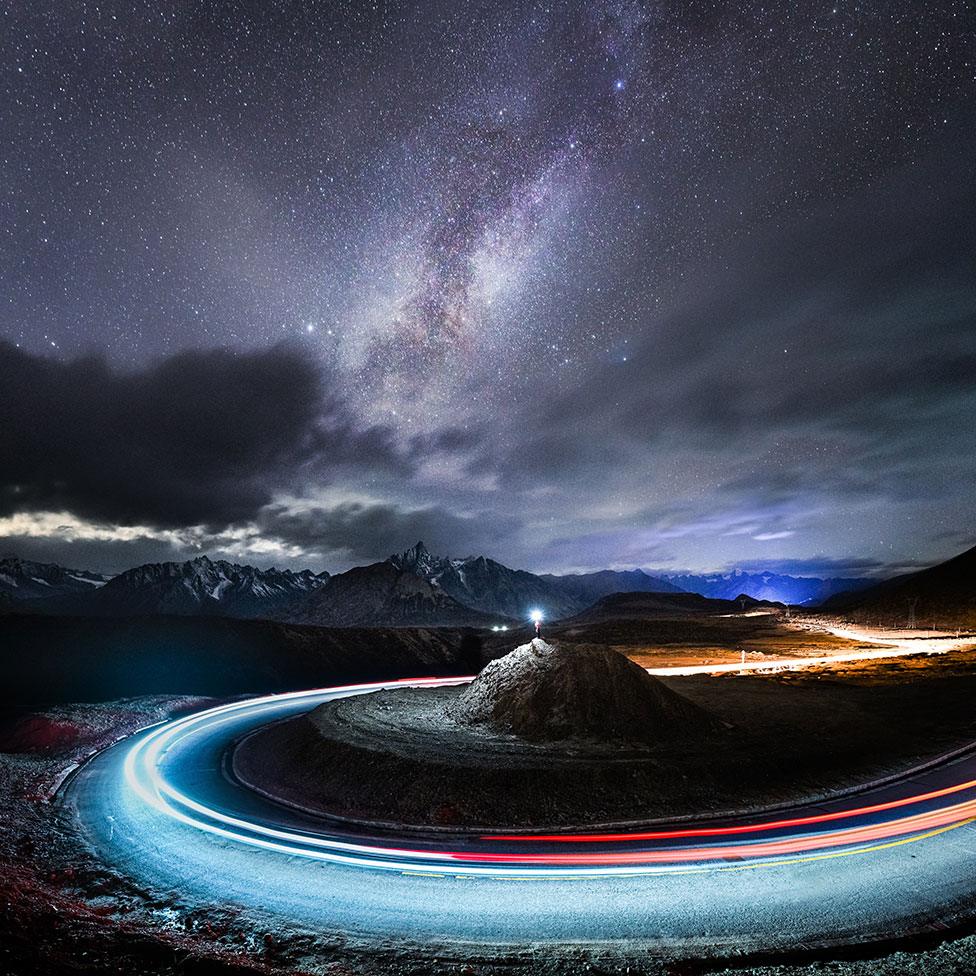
[(418, 588), (486, 585), (471, 591), (198, 586), (23, 579)]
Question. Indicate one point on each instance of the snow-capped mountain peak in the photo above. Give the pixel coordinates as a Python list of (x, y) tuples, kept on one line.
[(418, 560), (197, 586), (23, 579)]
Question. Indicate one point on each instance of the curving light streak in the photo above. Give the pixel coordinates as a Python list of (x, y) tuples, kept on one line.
[(950, 816), (604, 838), (752, 845)]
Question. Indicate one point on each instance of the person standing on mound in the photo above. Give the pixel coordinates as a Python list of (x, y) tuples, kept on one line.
[(536, 617)]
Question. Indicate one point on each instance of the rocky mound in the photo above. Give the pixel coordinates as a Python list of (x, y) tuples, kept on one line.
[(508, 752), (546, 693), (544, 735)]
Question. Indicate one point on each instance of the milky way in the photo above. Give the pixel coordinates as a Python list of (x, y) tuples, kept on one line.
[(616, 283)]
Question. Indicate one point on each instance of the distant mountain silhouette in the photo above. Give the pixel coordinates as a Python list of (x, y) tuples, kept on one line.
[(410, 588), (781, 588), (587, 588)]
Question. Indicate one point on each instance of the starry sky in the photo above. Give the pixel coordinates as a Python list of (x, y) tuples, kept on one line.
[(678, 285)]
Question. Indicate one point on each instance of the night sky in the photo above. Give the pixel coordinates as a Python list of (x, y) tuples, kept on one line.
[(665, 284)]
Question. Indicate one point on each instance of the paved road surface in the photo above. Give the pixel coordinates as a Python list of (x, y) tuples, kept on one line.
[(900, 858)]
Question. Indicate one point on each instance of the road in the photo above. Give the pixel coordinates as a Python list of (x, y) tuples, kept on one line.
[(899, 858), (905, 641), (887, 646)]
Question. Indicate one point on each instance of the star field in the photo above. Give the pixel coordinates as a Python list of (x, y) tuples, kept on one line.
[(593, 283)]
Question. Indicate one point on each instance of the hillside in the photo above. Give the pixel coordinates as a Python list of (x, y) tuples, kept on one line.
[(943, 596), (619, 606)]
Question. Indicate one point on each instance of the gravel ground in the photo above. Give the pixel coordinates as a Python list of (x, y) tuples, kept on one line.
[(61, 912)]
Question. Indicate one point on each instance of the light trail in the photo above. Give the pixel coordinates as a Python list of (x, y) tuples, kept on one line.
[(740, 829), (854, 830)]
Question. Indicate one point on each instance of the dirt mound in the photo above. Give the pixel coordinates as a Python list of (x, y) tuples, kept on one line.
[(396, 757), (546, 693)]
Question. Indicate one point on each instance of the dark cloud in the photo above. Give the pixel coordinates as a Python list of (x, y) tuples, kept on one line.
[(196, 438), (364, 532), (823, 567), (97, 555)]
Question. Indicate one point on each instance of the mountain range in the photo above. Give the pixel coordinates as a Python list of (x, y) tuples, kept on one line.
[(486, 585), (410, 588), (198, 587), (780, 588), (388, 593), (22, 579), (587, 588)]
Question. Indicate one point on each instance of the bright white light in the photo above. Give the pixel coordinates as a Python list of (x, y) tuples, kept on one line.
[(496, 627), (535, 616)]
